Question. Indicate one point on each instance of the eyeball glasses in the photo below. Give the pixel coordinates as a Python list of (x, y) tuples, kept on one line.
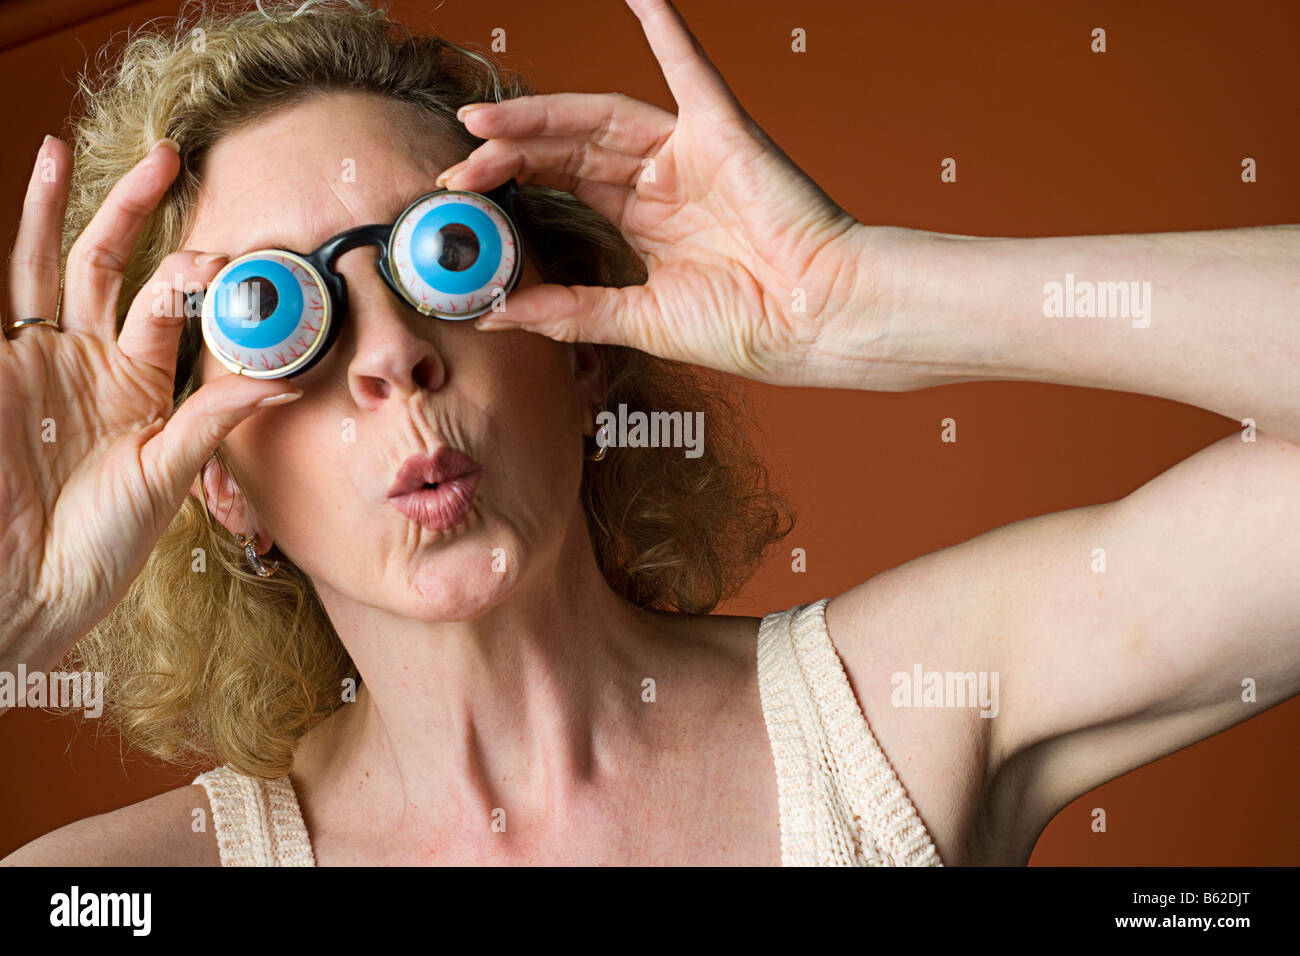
[(451, 254)]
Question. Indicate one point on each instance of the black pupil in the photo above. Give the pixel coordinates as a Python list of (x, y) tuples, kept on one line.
[(267, 299), (457, 247)]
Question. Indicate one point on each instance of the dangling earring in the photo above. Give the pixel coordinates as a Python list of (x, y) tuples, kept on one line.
[(604, 449), (249, 543)]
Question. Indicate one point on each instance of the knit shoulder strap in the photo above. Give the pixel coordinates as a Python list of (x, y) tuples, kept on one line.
[(841, 802), (258, 822)]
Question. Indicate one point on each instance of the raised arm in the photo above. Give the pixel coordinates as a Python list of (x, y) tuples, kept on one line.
[(1120, 632), (754, 270), (1208, 318)]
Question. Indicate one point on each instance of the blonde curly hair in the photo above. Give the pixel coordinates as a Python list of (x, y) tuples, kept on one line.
[(230, 667)]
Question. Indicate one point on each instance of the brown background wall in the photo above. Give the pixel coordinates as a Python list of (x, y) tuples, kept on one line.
[(1050, 140)]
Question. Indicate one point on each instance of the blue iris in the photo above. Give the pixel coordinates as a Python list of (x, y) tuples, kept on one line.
[(233, 303), (425, 245)]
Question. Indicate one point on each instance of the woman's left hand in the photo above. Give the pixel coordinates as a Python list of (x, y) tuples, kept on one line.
[(747, 258)]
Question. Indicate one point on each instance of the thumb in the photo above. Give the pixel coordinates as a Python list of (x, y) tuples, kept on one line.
[(574, 313), (176, 454)]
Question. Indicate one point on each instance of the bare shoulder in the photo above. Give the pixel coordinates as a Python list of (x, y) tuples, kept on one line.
[(894, 633), (725, 639), (1103, 669), (159, 831), (713, 657), (711, 717)]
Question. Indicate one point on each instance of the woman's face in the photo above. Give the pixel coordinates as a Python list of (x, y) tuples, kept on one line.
[(313, 476)]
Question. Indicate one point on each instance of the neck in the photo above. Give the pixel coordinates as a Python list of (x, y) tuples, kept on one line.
[(515, 713)]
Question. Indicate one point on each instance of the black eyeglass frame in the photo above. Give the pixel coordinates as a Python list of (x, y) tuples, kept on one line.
[(321, 262)]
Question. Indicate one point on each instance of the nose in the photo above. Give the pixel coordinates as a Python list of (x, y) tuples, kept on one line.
[(391, 355)]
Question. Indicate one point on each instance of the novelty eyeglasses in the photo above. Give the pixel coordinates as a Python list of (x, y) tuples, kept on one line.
[(451, 255)]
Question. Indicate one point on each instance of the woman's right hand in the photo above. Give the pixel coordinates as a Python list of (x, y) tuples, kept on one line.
[(93, 465)]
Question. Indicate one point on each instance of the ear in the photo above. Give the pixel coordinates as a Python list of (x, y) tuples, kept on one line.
[(227, 503), (589, 374)]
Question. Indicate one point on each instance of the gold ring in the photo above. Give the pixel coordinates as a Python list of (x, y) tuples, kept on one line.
[(24, 323)]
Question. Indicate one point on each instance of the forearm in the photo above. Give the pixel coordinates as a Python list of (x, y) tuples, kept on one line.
[(1208, 318)]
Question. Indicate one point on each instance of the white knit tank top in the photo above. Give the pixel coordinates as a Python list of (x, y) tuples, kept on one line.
[(841, 803)]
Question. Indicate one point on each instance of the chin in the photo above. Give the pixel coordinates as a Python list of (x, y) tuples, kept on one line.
[(456, 590)]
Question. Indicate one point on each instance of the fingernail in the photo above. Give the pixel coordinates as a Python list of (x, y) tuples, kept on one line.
[(205, 258), (168, 142), (493, 325), (282, 399), (465, 110), (448, 173)]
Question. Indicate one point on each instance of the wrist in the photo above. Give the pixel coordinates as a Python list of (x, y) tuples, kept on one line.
[(913, 318), (857, 344)]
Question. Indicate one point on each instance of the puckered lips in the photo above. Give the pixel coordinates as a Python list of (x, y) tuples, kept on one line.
[(437, 490)]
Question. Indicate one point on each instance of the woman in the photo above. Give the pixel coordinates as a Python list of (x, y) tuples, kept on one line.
[(492, 675)]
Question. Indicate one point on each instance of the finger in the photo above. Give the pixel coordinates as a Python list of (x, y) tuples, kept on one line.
[(172, 458), (695, 82), (576, 313), (152, 331), (99, 257), (611, 120), (603, 179), (34, 262)]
